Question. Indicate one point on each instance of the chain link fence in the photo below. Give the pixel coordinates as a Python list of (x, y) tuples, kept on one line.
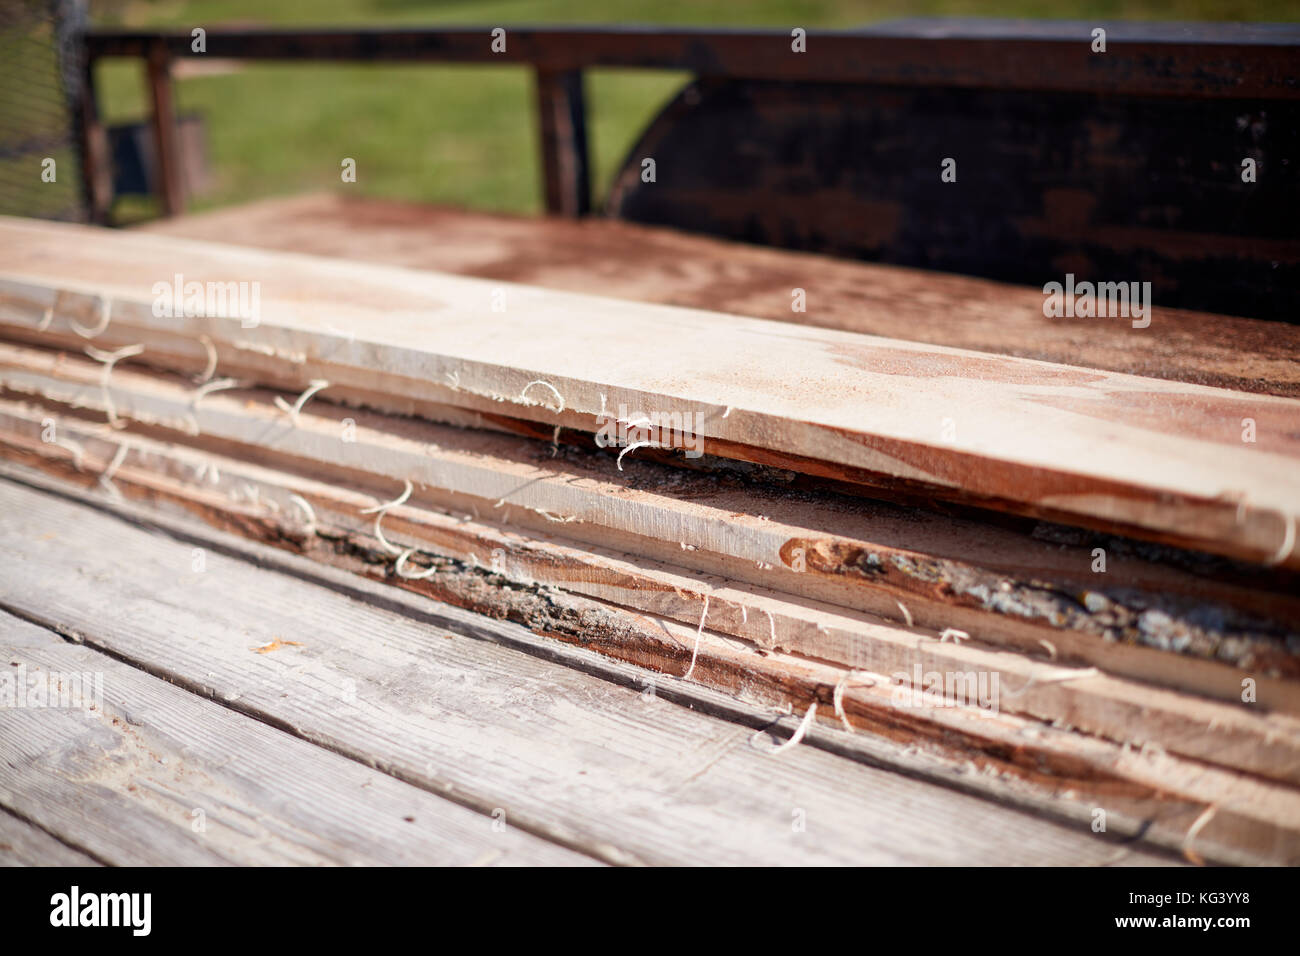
[(40, 77)]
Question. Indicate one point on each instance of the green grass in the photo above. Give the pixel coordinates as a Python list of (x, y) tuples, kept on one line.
[(466, 136)]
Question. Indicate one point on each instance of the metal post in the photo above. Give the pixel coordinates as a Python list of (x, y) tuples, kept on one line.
[(171, 190), (563, 122)]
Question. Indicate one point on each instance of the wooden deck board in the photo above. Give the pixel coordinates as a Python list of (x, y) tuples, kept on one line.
[(624, 776), (156, 775), (22, 844)]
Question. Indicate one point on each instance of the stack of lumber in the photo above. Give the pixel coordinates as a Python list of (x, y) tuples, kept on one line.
[(855, 529)]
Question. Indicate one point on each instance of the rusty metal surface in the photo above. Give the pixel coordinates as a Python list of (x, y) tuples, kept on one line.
[(1245, 73), (1204, 60), (1106, 188)]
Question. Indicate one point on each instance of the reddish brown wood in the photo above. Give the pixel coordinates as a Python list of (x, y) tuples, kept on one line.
[(649, 264), (1180, 463)]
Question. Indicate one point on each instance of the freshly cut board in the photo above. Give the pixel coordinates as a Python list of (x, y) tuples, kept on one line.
[(1198, 466), (654, 264), (1004, 588), (330, 524)]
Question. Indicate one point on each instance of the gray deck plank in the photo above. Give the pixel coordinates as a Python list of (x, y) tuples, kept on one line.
[(152, 774), (22, 844), (625, 777)]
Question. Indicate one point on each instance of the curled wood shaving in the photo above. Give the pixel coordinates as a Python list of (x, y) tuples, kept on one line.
[(110, 359), (699, 632), (555, 391), (275, 645), (292, 410), (838, 697), (105, 316), (798, 735)]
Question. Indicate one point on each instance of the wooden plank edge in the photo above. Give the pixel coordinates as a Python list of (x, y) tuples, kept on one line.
[(1238, 525), (836, 570), (1079, 774), (260, 502)]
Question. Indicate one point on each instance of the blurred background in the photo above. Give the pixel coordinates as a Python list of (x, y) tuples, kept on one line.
[(466, 135)]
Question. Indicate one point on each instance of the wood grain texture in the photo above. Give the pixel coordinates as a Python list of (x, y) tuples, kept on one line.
[(259, 502), (1006, 589), (1049, 768), (648, 264), (22, 844), (154, 775), (1143, 456), (628, 777)]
